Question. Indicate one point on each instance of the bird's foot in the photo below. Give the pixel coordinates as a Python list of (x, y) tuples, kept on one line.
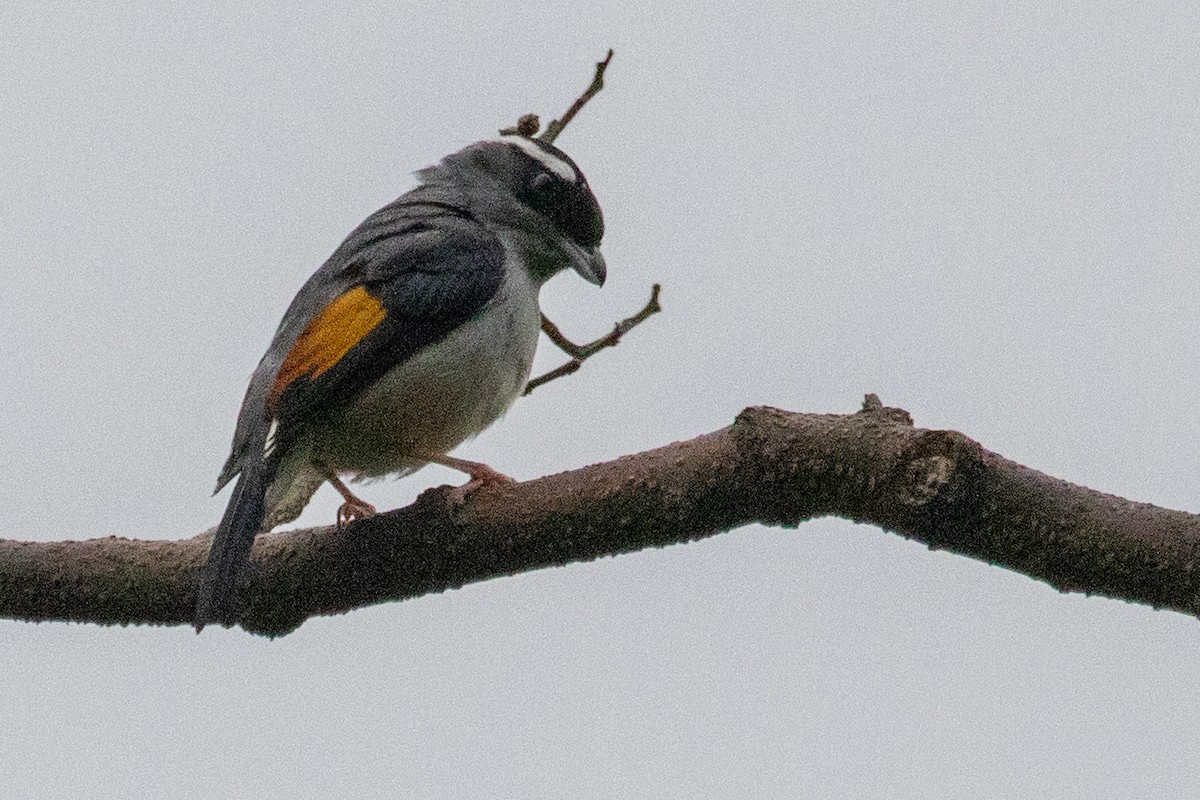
[(459, 494), (353, 510), (481, 475)]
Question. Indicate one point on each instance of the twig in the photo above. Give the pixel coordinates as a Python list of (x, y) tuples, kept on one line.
[(555, 128), (528, 126), (581, 352)]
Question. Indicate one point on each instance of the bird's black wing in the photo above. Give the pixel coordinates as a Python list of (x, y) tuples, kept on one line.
[(414, 279)]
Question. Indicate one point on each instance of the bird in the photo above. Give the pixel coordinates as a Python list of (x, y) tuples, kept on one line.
[(415, 335)]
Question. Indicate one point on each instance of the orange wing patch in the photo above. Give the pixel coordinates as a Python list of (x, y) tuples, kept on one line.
[(344, 323)]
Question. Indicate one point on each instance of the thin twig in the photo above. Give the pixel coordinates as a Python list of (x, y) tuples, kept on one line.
[(528, 126), (581, 352), (555, 128)]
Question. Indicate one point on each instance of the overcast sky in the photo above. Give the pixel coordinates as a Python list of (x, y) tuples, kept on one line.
[(986, 213)]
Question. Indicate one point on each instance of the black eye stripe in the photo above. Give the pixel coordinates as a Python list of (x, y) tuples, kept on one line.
[(568, 205)]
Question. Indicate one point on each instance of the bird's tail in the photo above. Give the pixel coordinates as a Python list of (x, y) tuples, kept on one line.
[(217, 592)]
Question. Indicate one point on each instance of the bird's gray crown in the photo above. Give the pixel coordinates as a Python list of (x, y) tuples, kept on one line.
[(541, 179)]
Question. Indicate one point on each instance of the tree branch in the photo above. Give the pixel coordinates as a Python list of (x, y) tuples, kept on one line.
[(770, 466)]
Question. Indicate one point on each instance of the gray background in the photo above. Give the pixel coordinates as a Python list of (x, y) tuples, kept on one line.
[(986, 213)]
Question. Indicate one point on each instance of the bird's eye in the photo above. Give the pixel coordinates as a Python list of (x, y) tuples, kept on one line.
[(542, 182)]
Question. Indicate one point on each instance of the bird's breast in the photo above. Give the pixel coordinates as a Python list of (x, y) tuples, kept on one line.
[(445, 393)]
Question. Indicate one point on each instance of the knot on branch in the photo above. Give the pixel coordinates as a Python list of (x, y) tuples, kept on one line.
[(936, 471), (527, 126), (924, 479)]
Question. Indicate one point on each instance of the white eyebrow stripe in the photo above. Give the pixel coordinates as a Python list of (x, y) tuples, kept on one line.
[(556, 165)]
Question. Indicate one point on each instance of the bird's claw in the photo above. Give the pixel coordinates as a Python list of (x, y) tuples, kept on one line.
[(482, 476), (353, 510)]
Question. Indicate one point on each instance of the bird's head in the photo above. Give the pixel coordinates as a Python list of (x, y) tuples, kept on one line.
[(532, 188)]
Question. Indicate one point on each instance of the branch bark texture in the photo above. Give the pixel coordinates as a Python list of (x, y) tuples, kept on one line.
[(770, 466)]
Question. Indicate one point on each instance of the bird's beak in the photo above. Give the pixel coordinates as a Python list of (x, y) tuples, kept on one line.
[(589, 263)]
